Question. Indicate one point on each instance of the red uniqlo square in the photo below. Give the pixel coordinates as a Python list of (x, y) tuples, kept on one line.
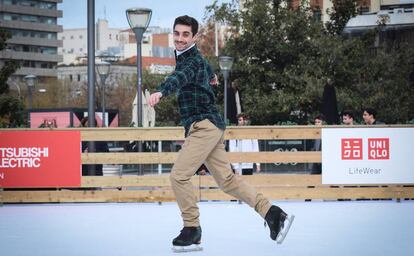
[(378, 148), (351, 149)]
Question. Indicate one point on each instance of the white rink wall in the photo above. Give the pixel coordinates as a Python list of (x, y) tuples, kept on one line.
[(321, 228)]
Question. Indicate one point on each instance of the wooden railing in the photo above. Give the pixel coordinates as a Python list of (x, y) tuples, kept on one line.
[(156, 188), (174, 134)]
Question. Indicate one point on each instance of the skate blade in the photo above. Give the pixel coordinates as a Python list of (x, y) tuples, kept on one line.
[(190, 248), (283, 233)]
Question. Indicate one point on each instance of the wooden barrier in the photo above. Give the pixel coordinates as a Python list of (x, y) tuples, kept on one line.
[(156, 188)]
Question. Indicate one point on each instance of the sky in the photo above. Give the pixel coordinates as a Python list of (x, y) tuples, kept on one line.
[(163, 11)]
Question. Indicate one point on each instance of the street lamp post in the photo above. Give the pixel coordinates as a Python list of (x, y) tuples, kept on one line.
[(103, 69), (30, 82), (139, 19), (225, 62)]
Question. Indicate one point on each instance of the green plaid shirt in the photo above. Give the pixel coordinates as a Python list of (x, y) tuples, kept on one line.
[(191, 82)]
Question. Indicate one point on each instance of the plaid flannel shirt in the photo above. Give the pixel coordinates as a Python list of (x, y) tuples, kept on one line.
[(191, 83)]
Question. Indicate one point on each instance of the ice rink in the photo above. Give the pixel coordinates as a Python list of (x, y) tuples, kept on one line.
[(345, 228)]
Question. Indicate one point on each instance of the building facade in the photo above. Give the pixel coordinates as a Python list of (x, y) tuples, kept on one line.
[(322, 8), (114, 42), (34, 42), (396, 17), (78, 75), (75, 41)]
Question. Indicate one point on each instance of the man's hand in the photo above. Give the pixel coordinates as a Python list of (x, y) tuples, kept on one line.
[(214, 81), (154, 98)]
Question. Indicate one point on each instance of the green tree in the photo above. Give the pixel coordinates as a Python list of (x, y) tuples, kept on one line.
[(385, 84), (339, 15), (269, 41), (167, 109), (122, 97), (284, 58), (66, 94), (11, 107)]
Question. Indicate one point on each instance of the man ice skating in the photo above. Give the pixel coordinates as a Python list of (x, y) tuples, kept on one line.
[(192, 82)]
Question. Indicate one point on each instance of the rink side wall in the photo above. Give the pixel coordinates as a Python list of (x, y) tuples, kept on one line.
[(156, 188)]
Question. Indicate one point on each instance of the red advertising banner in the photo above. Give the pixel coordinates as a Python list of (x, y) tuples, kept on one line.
[(40, 159)]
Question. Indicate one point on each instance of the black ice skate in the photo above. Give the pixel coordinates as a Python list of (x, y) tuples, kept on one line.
[(279, 223), (188, 240)]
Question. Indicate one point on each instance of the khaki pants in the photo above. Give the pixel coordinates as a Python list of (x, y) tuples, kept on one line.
[(205, 144)]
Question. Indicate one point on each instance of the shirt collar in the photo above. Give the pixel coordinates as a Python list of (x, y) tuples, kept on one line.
[(181, 52), (190, 51)]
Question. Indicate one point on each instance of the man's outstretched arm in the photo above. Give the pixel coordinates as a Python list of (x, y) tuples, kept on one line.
[(154, 98)]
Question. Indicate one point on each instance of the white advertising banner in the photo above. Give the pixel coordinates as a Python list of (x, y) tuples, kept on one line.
[(367, 155)]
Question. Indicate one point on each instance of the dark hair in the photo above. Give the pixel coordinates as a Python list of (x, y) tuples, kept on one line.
[(371, 111), (243, 115), (188, 21), (84, 122), (320, 117), (348, 113)]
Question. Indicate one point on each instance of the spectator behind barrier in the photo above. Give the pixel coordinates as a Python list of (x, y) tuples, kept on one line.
[(370, 116), (246, 145), (316, 168), (347, 117)]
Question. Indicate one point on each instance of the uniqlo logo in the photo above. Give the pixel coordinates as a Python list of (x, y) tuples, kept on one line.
[(378, 148), (351, 149)]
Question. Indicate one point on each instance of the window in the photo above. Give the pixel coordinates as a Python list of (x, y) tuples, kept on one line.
[(51, 21), (52, 36), (7, 17), (51, 6), (25, 3), (364, 9), (49, 50), (80, 36), (317, 15)]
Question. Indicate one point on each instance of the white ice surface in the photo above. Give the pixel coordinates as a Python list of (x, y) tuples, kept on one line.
[(320, 228)]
